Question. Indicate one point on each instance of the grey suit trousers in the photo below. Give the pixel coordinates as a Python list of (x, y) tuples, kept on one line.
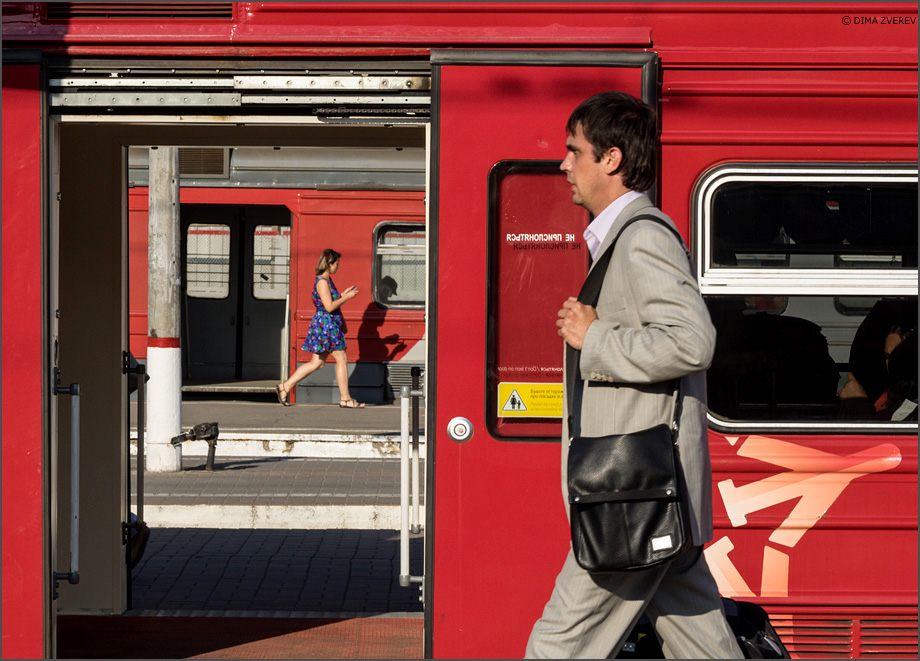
[(589, 615)]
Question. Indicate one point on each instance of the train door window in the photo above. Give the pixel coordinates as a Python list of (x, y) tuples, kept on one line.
[(536, 261), (810, 275), (399, 265), (208, 261), (271, 262)]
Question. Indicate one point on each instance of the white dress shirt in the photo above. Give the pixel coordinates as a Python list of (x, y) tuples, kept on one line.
[(598, 228)]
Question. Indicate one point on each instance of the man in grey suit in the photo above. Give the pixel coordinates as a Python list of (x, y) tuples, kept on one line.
[(649, 328)]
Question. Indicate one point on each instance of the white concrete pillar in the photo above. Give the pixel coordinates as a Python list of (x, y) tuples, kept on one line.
[(164, 353)]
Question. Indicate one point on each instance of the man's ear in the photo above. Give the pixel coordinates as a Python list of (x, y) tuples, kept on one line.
[(612, 159)]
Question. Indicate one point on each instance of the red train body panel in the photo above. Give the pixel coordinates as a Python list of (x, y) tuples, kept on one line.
[(24, 462), (342, 220), (815, 516), (800, 520)]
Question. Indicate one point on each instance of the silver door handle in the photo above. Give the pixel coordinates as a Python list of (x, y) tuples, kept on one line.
[(73, 576)]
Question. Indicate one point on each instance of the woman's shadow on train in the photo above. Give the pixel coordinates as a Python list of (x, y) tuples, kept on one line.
[(374, 350)]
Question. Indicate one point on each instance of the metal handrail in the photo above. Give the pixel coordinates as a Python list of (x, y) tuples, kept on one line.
[(136, 526), (141, 372), (414, 520), (408, 451), (73, 576)]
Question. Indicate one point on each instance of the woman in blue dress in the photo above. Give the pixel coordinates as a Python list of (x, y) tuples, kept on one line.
[(325, 335)]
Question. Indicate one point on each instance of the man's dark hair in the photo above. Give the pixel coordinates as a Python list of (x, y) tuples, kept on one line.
[(615, 119)]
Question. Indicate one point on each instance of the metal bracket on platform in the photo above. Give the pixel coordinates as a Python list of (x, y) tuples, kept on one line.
[(206, 431)]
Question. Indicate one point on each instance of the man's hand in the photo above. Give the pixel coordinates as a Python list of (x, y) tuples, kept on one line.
[(573, 322)]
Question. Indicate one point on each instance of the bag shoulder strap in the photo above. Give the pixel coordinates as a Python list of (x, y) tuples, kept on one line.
[(591, 289), (589, 295)]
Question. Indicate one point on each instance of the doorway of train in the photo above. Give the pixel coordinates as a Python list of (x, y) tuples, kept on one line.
[(235, 263), (358, 182)]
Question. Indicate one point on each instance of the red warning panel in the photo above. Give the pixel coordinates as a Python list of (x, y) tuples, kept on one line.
[(537, 260)]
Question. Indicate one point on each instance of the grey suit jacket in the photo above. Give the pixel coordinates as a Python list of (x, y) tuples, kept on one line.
[(652, 327)]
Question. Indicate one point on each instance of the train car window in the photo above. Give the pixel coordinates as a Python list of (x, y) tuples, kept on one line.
[(271, 247), (207, 265), (809, 219), (800, 358), (809, 273), (399, 265), (536, 261), (815, 225)]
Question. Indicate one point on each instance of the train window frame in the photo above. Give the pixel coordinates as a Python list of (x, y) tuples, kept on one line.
[(523, 429), (198, 293), (380, 230), (724, 280)]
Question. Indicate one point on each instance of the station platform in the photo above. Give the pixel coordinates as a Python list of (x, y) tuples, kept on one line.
[(279, 492), (274, 554), (258, 426), (306, 466), (255, 414)]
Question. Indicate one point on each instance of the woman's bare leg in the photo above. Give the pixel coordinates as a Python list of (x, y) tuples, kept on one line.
[(341, 377), (305, 370)]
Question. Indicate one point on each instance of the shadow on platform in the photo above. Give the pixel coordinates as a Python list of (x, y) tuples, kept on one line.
[(277, 594), (131, 637)]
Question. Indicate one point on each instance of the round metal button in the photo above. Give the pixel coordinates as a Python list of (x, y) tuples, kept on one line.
[(460, 429)]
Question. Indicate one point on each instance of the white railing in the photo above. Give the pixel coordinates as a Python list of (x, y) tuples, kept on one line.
[(409, 456)]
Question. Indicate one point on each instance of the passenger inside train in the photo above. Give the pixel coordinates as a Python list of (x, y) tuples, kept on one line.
[(898, 399), (769, 364), (887, 324)]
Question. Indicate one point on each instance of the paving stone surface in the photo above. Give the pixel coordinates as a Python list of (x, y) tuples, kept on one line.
[(276, 481), (282, 573), (269, 572), (254, 415)]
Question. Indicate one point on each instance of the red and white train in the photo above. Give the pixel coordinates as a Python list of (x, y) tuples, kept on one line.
[(422, 140)]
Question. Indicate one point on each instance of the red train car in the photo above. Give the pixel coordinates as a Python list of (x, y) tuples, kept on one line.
[(248, 258), (788, 158)]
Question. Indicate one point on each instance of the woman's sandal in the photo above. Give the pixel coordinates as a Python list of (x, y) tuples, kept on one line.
[(350, 404), (282, 395)]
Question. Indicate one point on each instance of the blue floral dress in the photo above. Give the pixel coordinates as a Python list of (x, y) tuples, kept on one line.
[(325, 332)]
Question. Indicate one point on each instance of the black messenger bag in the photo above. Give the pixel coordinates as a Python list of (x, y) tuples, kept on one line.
[(624, 498), (624, 501)]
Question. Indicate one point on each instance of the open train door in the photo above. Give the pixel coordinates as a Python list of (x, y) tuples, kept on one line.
[(28, 617), (507, 249)]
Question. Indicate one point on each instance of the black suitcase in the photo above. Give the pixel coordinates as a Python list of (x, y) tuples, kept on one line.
[(753, 630), (750, 623)]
